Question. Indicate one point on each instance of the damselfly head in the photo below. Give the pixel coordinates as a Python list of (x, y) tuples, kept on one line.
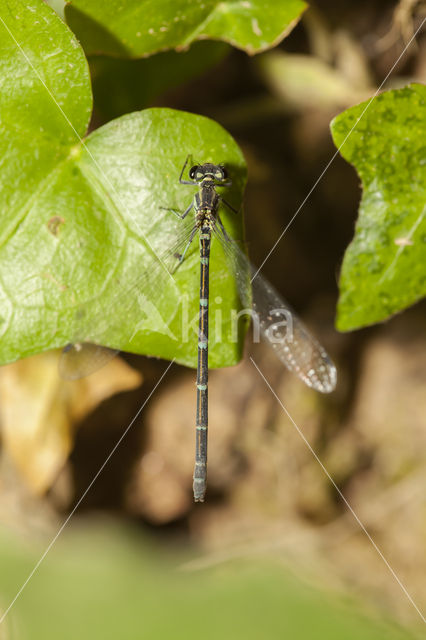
[(200, 171)]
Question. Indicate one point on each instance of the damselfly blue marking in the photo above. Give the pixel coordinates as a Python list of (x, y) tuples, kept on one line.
[(295, 346)]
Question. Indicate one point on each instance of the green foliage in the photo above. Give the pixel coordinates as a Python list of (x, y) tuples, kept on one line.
[(140, 28), (77, 217), (45, 105), (80, 221), (384, 266), (102, 582)]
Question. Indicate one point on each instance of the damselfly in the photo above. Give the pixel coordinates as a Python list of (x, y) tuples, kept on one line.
[(291, 341)]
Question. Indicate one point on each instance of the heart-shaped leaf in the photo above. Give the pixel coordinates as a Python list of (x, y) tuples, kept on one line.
[(384, 269), (82, 219), (139, 28)]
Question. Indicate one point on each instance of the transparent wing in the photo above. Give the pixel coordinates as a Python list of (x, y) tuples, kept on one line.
[(83, 356), (79, 359), (278, 324)]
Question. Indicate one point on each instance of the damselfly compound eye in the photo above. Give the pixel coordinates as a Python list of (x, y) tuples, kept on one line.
[(193, 171), (220, 173)]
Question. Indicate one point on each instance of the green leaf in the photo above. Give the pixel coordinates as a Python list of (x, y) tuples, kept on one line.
[(116, 86), (81, 220), (384, 269), (143, 27)]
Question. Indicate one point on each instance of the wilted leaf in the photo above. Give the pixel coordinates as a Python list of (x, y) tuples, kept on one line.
[(305, 82), (38, 412)]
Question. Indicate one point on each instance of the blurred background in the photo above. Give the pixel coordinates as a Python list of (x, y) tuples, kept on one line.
[(274, 549)]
